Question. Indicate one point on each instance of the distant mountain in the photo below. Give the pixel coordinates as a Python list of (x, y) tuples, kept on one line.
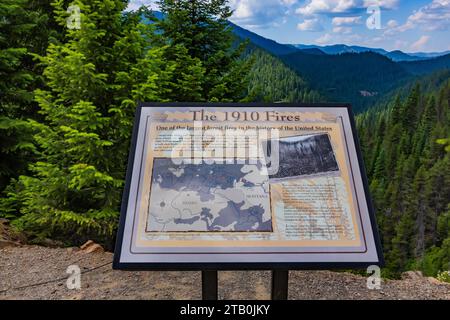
[(395, 55), (313, 51), (264, 43), (283, 49), (426, 66), (398, 55), (363, 79), (429, 54), (269, 45), (339, 48), (358, 78), (270, 80), (359, 75)]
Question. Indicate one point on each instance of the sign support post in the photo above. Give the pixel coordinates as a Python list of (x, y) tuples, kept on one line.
[(209, 285), (280, 279)]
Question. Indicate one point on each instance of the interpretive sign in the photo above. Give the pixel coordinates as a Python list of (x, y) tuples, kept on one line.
[(239, 186)]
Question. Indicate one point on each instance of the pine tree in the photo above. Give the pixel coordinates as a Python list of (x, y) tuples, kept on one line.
[(423, 132), (201, 27), (419, 207), (396, 110), (25, 29), (269, 80), (94, 80), (380, 166), (189, 73), (410, 109), (410, 187)]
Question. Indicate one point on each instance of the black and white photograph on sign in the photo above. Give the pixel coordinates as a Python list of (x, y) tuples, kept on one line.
[(205, 197), (304, 156)]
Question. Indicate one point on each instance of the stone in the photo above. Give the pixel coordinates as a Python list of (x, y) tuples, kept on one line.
[(94, 248), (91, 247), (87, 244)]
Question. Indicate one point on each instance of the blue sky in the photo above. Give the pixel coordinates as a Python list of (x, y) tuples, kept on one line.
[(407, 25)]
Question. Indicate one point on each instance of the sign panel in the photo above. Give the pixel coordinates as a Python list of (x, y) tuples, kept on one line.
[(239, 186)]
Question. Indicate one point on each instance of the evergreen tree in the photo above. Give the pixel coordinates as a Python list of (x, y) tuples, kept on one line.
[(269, 80), (201, 27), (409, 110), (94, 80), (25, 29), (410, 178), (396, 112), (419, 208), (380, 166)]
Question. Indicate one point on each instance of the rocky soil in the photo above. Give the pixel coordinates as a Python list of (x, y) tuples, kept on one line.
[(35, 272)]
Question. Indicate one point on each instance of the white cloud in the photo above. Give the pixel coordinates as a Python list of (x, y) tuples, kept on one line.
[(431, 17), (387, 4), (247, 13), (434, 16), (325, 39), (324, 6), (259, 13), (136, 4), (243, 10), (392, 28), (419, 44), (345, 21), (343, 30), (392, 24), (310, 25), (313, 7)]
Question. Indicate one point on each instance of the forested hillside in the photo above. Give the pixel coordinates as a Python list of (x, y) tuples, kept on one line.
[(427, 66), (358, 78), (267, 44), (272, 81), (408, 168), (428, 83)]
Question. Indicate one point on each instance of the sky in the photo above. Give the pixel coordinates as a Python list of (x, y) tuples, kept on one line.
[(407, 25)]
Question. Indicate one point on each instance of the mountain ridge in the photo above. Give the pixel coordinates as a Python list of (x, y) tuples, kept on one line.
[(330, 70), (278, 49), (267, 44), (358, 78), (395, 55)]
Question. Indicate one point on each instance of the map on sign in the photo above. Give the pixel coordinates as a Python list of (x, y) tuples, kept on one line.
[(208, 197)]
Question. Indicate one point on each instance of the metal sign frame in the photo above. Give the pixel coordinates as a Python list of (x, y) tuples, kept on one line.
[(117, 264)]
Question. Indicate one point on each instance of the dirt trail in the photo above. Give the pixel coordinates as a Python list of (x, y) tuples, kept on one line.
[(26, 265)]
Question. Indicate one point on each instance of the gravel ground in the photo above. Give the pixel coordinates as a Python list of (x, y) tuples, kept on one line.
[(27, 265)]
